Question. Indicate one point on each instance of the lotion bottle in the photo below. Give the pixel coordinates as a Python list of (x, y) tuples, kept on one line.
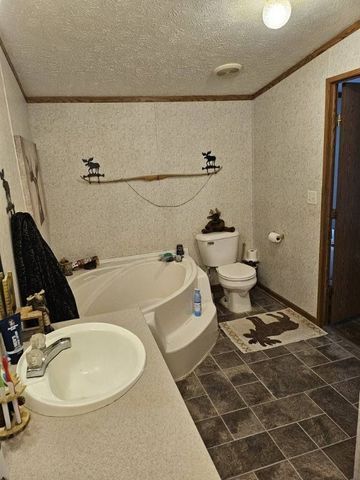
[(197, 308)]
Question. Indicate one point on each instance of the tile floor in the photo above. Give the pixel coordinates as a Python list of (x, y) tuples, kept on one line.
[(289, 413), (350, 329)]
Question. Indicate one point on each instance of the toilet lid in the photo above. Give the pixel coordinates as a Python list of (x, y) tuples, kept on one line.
[(236, 271)]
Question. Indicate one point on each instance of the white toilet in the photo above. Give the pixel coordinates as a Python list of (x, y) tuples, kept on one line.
[(220, 250)]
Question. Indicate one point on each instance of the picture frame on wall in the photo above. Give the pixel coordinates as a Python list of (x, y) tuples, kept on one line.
[(31, 180)]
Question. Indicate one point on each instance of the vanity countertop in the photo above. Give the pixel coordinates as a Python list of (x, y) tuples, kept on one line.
[(147, 434)]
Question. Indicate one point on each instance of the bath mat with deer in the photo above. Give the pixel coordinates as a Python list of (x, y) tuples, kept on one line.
[(271, 329)]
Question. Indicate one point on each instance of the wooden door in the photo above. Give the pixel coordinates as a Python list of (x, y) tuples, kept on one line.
[(345, 298)]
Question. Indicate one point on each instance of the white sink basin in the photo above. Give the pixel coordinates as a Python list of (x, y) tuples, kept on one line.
[(103, 363)]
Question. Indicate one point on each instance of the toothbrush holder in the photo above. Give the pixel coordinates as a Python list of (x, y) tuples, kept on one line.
[(6, 399)]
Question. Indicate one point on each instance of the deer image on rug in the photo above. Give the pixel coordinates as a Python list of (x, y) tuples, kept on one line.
[(263, 331), (256, 332)]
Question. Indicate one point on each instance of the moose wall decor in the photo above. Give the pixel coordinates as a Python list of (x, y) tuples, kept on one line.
[(216, 224), (93, 170), (210, 162)]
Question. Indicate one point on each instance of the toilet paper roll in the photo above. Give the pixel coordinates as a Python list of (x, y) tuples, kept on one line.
[(252, 255), (275, 237)]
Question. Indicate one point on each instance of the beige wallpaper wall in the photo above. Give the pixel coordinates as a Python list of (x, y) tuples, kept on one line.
[(288, 156), (13, 118), (282, 130), (139, 139)]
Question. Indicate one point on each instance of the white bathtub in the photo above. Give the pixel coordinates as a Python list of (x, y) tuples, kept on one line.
[(164, 293)]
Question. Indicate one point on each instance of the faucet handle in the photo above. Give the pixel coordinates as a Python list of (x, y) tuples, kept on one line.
[(38, 341), (34, 358)]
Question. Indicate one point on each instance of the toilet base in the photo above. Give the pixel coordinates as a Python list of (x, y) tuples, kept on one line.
[(235, 302)]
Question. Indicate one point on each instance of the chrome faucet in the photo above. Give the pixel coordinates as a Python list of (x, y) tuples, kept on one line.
[(46, 355)]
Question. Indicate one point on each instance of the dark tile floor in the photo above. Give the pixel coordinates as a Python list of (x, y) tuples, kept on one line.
[(350, 330), (289, 413)]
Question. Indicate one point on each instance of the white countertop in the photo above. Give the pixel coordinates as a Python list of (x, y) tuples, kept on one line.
[(147, 434)]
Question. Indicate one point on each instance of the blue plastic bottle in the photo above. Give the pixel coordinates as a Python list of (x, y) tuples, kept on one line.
[(197, 303)]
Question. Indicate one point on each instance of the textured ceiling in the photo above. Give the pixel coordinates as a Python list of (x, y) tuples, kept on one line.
[(159, 47)]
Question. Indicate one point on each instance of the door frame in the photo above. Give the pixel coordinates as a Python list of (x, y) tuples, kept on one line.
[(327, 191)]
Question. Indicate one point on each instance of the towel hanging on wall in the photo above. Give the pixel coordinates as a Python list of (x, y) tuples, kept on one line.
[(37, 268)]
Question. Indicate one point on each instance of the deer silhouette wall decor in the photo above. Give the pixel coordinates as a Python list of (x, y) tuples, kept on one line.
[(10, 207)]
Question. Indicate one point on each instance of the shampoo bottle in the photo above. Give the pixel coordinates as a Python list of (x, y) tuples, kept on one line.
[(197, 303)]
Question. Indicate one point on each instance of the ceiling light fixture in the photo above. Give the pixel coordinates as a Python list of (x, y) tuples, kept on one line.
[(276, 13)]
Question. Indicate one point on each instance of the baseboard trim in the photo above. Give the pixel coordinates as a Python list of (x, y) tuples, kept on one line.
[(287, 302)]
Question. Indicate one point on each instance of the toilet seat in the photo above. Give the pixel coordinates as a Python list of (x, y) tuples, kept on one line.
[(236, 271)]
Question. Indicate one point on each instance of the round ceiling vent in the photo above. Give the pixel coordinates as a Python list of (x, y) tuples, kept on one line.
[(228, 69)]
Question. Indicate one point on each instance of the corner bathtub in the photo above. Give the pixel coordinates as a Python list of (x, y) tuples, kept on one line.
[(164, 293)]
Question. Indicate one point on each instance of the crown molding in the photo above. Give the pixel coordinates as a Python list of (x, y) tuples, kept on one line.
[(139, 99), (11, 65), (330, 43)]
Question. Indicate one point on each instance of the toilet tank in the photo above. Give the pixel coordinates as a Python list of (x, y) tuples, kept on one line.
[(218, 249)]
